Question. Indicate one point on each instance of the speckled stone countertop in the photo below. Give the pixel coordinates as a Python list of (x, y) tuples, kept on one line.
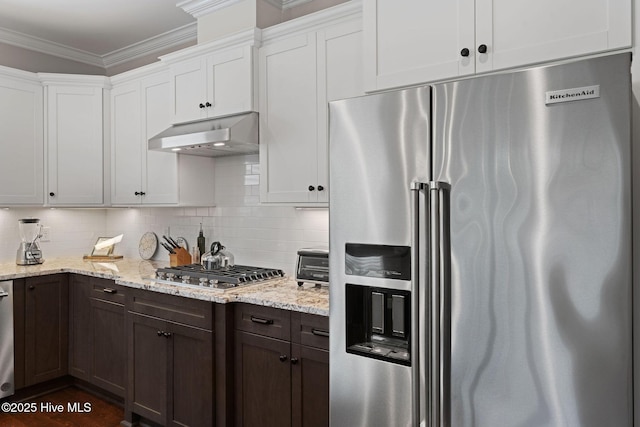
[(134, 273)]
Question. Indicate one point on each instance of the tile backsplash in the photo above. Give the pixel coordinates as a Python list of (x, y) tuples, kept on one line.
[(256, 234)]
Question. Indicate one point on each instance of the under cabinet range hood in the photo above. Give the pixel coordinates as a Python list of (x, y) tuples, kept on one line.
[(215, 137)]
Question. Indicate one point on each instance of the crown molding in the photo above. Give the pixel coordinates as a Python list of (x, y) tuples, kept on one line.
[(146, 47), (286, 4), (198, 8), (177, 37), (37, 44)]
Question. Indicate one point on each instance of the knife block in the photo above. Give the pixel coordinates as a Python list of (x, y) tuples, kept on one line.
[(181, 257)]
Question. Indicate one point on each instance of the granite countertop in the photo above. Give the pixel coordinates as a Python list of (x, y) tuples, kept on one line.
[(134, 273)]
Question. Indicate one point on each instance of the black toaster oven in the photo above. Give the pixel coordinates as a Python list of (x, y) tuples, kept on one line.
[(313, 266)]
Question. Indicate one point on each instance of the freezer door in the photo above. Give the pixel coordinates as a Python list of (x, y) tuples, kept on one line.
[(539, 167), (378, 147)]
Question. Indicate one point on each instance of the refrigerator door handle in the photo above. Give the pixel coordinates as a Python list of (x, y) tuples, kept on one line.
[(419, 316), (431, 306), (440, 304)]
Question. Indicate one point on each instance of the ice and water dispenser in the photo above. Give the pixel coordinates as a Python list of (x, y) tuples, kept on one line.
[(378, 319)]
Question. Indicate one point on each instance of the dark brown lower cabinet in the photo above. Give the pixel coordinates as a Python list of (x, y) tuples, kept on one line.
[(310, 382), (46, 330), (263, 381), (97, 332), (170, 363), (282, 368)]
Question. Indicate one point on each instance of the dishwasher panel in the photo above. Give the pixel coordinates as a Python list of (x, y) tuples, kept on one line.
[(7, 384)]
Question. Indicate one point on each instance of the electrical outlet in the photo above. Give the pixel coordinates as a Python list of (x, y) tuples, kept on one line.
[(45, 234)]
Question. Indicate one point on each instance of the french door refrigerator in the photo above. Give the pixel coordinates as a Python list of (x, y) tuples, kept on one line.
[(480, 251)]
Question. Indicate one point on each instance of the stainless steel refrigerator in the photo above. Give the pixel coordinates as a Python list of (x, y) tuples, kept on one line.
[(480, 251)]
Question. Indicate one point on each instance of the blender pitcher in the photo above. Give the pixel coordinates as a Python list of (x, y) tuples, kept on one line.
[(29, 252)]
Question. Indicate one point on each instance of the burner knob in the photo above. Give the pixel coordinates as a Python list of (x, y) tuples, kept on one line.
[(160, 274), (213, 282), (170, 276), (204, 281), (186, 279)]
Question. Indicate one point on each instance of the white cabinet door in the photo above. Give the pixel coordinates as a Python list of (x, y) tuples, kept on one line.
[(189, 90), (160, 170), (213, 85), (230, 81), (419, 41), (411, 41), (519, 32), (126, 147), (74, 145), (288, 120), (340, 73), (21, 143)]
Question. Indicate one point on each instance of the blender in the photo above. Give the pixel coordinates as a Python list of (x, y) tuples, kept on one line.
[(29, 252)]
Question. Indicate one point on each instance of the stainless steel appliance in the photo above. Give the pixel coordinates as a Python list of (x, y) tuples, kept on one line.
[(7, 384), (313, 266), (480, 251), (215, 137), (29, 252), (196, 276)]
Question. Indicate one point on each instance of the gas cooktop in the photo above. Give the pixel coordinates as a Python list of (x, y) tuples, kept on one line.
[(195, 276)]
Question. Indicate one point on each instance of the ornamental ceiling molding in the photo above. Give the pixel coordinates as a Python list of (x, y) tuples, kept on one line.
[(159, 43), (198, 8)]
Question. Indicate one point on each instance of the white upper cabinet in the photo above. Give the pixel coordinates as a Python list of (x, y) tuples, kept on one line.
[(21, 139), (300, 72), (140, 109), (213, 79), (74, 140), (417, 41)]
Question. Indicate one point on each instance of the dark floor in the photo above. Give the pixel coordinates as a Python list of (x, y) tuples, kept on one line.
[(98, 413)]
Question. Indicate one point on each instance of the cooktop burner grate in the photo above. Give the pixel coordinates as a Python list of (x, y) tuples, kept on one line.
[(196, 275)]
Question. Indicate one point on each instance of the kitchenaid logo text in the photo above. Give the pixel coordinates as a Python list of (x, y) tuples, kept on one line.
[(574, 94)]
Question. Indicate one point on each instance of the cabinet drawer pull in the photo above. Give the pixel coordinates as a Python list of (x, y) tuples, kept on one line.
[(261, 321), (109, 291), (320, 332), (4, 294)]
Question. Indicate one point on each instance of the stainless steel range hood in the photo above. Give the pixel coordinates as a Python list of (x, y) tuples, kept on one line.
[(221, 136)]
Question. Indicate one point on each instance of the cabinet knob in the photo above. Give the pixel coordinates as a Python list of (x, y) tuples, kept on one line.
[(31, 287), (201, 105), (283, 358), (142, 193), (52, 194), (137, 193), (312, 188), (159, 333), (464, 52), (167, 334), (294, 360), (320, 188), (208, 104), (482, 48)]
